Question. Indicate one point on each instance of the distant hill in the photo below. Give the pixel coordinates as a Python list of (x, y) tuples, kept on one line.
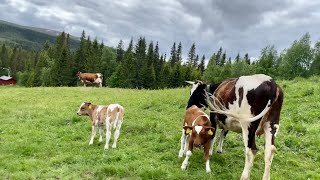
[(29, 38)]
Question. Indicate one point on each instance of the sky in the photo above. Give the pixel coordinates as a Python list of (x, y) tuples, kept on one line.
[(238, 26)]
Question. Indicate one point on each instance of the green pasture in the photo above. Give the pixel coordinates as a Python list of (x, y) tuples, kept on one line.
[(41, 137)]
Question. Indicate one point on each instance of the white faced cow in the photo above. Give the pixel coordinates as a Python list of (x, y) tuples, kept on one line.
[(90, 78), (110, 116), (248, 104)]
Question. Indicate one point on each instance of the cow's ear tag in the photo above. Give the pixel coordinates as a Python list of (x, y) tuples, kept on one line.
[(188, 131), (210, 132)]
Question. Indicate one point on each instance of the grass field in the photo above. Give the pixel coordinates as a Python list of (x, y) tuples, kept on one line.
[(41, 137)]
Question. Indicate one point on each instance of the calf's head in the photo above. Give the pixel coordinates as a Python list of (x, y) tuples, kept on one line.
[(84, 109), (199, 134)]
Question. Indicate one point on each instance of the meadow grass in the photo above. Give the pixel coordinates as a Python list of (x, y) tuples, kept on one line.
[(41, 137)]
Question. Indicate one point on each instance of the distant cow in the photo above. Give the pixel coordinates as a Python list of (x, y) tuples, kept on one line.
[(248, 104), (197, 131), (90, 78), (110, 116)]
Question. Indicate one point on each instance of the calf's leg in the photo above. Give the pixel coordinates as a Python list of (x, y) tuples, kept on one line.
[(108, 133), (207, 156), (116, 133), (182, 143), (100, 133), (93, 133), (188, 154)]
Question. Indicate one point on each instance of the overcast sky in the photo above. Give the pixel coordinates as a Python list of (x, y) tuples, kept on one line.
[(237, 25)]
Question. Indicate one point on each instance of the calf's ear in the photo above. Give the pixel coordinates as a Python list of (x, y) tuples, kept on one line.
[(209, 130), (188, 129)]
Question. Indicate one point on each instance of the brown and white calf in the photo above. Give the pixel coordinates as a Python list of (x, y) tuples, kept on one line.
[(248, 104), (110, 116), (197, 131), (90, 78)]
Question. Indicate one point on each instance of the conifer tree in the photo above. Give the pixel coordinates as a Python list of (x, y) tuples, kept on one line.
[(201, 66), (179, 53), (192, 56), (173, 55), (120, 52)]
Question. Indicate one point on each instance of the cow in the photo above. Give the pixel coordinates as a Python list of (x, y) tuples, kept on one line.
[(91, 78), (197, 131), (110, 116), (249, 105)]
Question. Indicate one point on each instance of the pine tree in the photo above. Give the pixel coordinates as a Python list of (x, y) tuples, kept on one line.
[(246, 58), (173, 55), (81, 52), (201, 66), (238, 58), (120, 52), (179, 53), (140, 57), (192, 56)]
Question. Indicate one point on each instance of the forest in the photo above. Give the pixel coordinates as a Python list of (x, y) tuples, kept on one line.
[(141, 66)]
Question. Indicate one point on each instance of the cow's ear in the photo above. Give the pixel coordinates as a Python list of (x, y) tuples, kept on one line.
[(209, 130), (188, 129), (190, 82)]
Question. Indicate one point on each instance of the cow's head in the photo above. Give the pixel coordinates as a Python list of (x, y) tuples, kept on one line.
[(200, 134), (197, 94), (78, 73), (84, 109)]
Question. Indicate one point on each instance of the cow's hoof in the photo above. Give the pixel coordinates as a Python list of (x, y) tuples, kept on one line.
[(208, 170), (114, 146)]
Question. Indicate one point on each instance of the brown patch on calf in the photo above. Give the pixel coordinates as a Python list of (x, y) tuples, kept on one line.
[(196, 117)]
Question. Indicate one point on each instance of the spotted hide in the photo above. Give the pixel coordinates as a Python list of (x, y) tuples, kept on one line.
[(249, 105), (110, 116)]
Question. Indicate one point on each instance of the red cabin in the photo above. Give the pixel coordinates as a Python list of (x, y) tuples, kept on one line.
[(7, 80)]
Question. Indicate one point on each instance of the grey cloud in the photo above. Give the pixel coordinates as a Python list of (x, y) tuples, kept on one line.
[(236, 25)]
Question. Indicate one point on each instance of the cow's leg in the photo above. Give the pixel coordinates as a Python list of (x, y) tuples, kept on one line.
[(116, 133), (270, 131), (108, 133), (101, 133), (182, 143), (93, 133), (223, 135), (207, 157), (188, 154), (248, 133), (214, 125)]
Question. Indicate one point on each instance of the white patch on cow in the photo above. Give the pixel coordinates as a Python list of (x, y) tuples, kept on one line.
[(111, 107), (80, 107), (277, 129), (251, 82), (194, 87), (248, 164), (185, 162), (99, 108), (208, 170), (198, 129)]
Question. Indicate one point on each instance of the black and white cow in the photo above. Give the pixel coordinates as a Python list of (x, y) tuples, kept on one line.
[(248, 104)]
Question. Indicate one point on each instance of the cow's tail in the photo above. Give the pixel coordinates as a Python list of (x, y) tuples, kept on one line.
[(119, 117), (216, 106)]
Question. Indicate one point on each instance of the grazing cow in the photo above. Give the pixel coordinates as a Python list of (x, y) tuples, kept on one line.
[(251, 105), (110, 116), (87, 78), (197, 131)]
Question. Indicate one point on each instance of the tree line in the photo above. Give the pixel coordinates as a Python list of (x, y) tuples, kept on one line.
[(141, 65)]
